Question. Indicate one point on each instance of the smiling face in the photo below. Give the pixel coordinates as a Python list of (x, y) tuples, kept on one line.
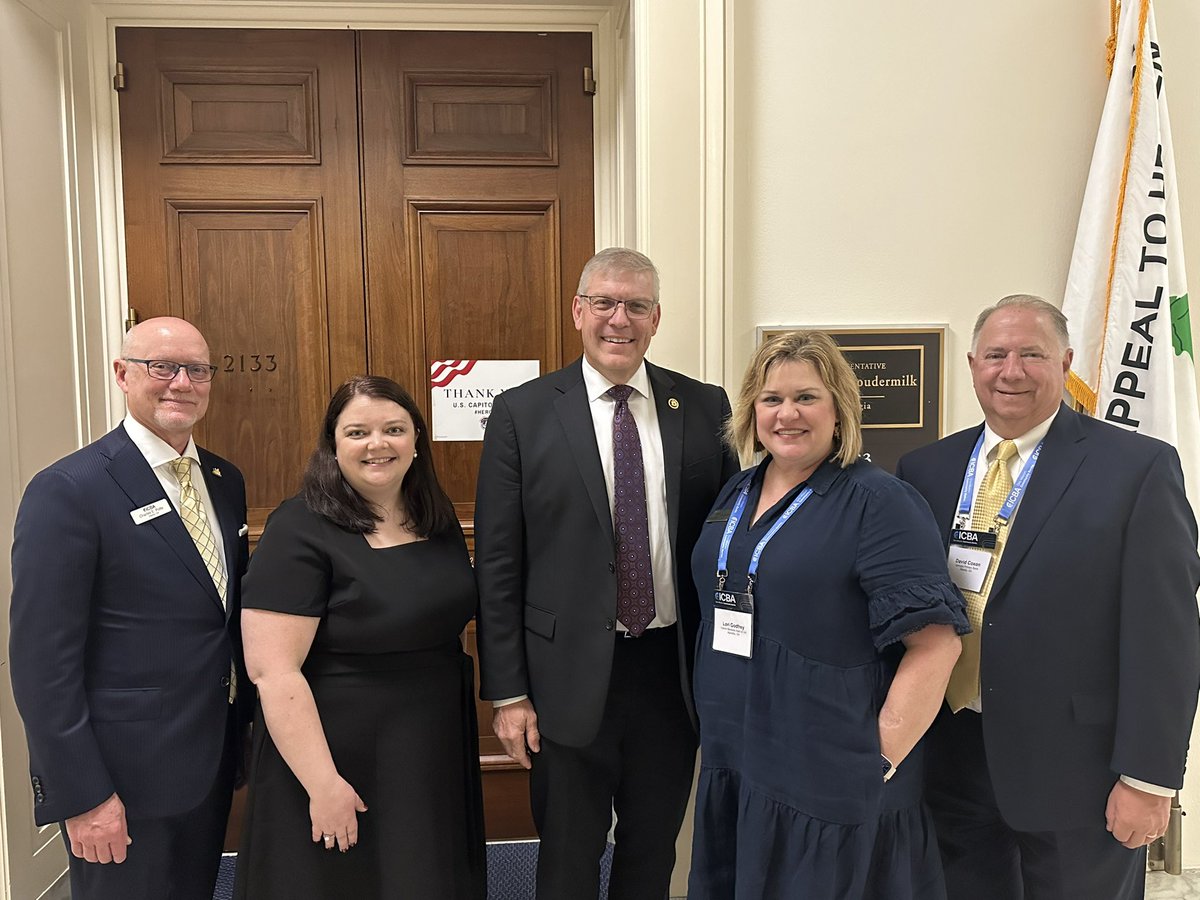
[(616, 346), (1019, 369), (169, 409), (794, 416), (374, 440)]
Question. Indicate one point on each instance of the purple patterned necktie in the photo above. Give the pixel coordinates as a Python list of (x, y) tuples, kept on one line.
[(635, 580)]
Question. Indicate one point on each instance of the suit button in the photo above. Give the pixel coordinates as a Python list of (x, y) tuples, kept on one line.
[(37, 782), (225, 681), (612, 567), (609, 625)]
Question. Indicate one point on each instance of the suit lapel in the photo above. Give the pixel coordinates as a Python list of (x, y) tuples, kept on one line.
[(1062, 453), (670, 414), (576, 418), (130, 471)]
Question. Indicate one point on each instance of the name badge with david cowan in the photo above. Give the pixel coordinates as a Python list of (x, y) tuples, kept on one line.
[(733, 622), (970, 557), (972, 552)]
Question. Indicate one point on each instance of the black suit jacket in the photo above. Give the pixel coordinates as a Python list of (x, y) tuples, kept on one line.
[(1090, 658), (544, 548), (119, 647)]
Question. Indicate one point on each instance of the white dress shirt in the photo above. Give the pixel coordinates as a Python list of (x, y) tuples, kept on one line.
[(645, 414)]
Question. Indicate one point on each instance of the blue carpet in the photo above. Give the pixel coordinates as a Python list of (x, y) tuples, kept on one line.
[(512, 869)]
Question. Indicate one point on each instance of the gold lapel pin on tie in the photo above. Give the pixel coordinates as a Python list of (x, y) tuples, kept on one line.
[(673, 403), (216, 471)]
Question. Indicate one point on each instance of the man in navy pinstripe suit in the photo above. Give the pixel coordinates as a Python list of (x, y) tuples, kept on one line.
[(124, 643)]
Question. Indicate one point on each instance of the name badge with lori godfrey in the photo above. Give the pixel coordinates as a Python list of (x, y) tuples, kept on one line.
[(733, 611), (972, 551)]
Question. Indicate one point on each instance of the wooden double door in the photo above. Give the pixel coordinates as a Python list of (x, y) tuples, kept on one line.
[(326, 203)]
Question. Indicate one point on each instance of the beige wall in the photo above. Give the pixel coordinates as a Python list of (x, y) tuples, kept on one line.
[(900, 163)]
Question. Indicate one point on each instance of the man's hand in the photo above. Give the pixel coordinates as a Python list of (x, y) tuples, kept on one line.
[(100, 834), (516, 726), (1134, 817)]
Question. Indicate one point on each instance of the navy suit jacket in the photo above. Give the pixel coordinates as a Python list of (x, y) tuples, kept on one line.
[(1090, 659), (120, 649), (544, 548)]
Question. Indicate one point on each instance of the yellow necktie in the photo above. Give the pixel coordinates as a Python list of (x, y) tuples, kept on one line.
[(997, 485), (191, 510)]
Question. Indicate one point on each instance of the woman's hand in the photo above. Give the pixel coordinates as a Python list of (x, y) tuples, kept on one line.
[(333, 813)]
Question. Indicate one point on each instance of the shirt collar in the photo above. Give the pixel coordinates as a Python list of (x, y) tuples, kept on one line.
[(1025, 443), (156, 451), (597, 385)]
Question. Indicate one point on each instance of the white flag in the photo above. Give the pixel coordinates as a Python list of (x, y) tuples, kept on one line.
[(1126, 298)]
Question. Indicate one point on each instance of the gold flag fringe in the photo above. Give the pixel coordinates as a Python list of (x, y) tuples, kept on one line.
[(1084, 396)]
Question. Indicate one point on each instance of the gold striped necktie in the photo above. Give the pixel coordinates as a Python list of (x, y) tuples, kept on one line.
[(191, 510), (997, 485)]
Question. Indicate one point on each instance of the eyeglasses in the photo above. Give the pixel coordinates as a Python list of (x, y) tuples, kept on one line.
[(604, 307), (165, 370)]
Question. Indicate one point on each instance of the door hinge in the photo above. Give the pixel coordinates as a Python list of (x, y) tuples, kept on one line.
[(132, 318), (119, 78), (589, 82)]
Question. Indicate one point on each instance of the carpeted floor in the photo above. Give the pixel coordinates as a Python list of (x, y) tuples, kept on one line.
[(512, 867)]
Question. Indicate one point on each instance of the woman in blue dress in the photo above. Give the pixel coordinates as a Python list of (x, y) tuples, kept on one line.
[(829, 630)]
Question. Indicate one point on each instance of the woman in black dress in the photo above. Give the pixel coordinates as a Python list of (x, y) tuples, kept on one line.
[(365, 739), (828, 632)]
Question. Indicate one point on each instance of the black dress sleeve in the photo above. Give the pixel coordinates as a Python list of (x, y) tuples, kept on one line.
[(902, 566), (290, 570)]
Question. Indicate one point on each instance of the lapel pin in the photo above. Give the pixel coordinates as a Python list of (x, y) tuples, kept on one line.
[(673, 403), (216, 471)]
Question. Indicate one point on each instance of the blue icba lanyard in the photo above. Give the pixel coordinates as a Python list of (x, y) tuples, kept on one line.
[(731, 526), (966, 495)]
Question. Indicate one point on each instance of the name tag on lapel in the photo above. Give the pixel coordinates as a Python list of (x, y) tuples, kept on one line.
[(150, 511)]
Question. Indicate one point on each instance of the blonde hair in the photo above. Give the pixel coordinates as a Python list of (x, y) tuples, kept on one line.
[(819, 350)]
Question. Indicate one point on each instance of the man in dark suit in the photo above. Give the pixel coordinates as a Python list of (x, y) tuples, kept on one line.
[(126, 563), (594, 483), (1067, 724)]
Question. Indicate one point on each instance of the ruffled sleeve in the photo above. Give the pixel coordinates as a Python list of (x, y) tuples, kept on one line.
[(902, 566)]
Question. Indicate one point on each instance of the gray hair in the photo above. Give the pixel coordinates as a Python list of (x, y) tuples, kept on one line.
[(1026, 301), (620, 260)]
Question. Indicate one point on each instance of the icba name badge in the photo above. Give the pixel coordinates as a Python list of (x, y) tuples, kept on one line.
[(733, 623)]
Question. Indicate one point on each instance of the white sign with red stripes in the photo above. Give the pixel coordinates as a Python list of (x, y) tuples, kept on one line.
[(462, 391)]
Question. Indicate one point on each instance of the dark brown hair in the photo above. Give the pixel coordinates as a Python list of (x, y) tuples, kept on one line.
[(327, 493)]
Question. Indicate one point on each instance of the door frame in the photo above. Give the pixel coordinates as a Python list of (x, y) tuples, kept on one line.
[(613, 125)]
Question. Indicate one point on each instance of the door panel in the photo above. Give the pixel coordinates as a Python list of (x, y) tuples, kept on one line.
[(249, 273), (477, 172), (485, 276), (243, 215)]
